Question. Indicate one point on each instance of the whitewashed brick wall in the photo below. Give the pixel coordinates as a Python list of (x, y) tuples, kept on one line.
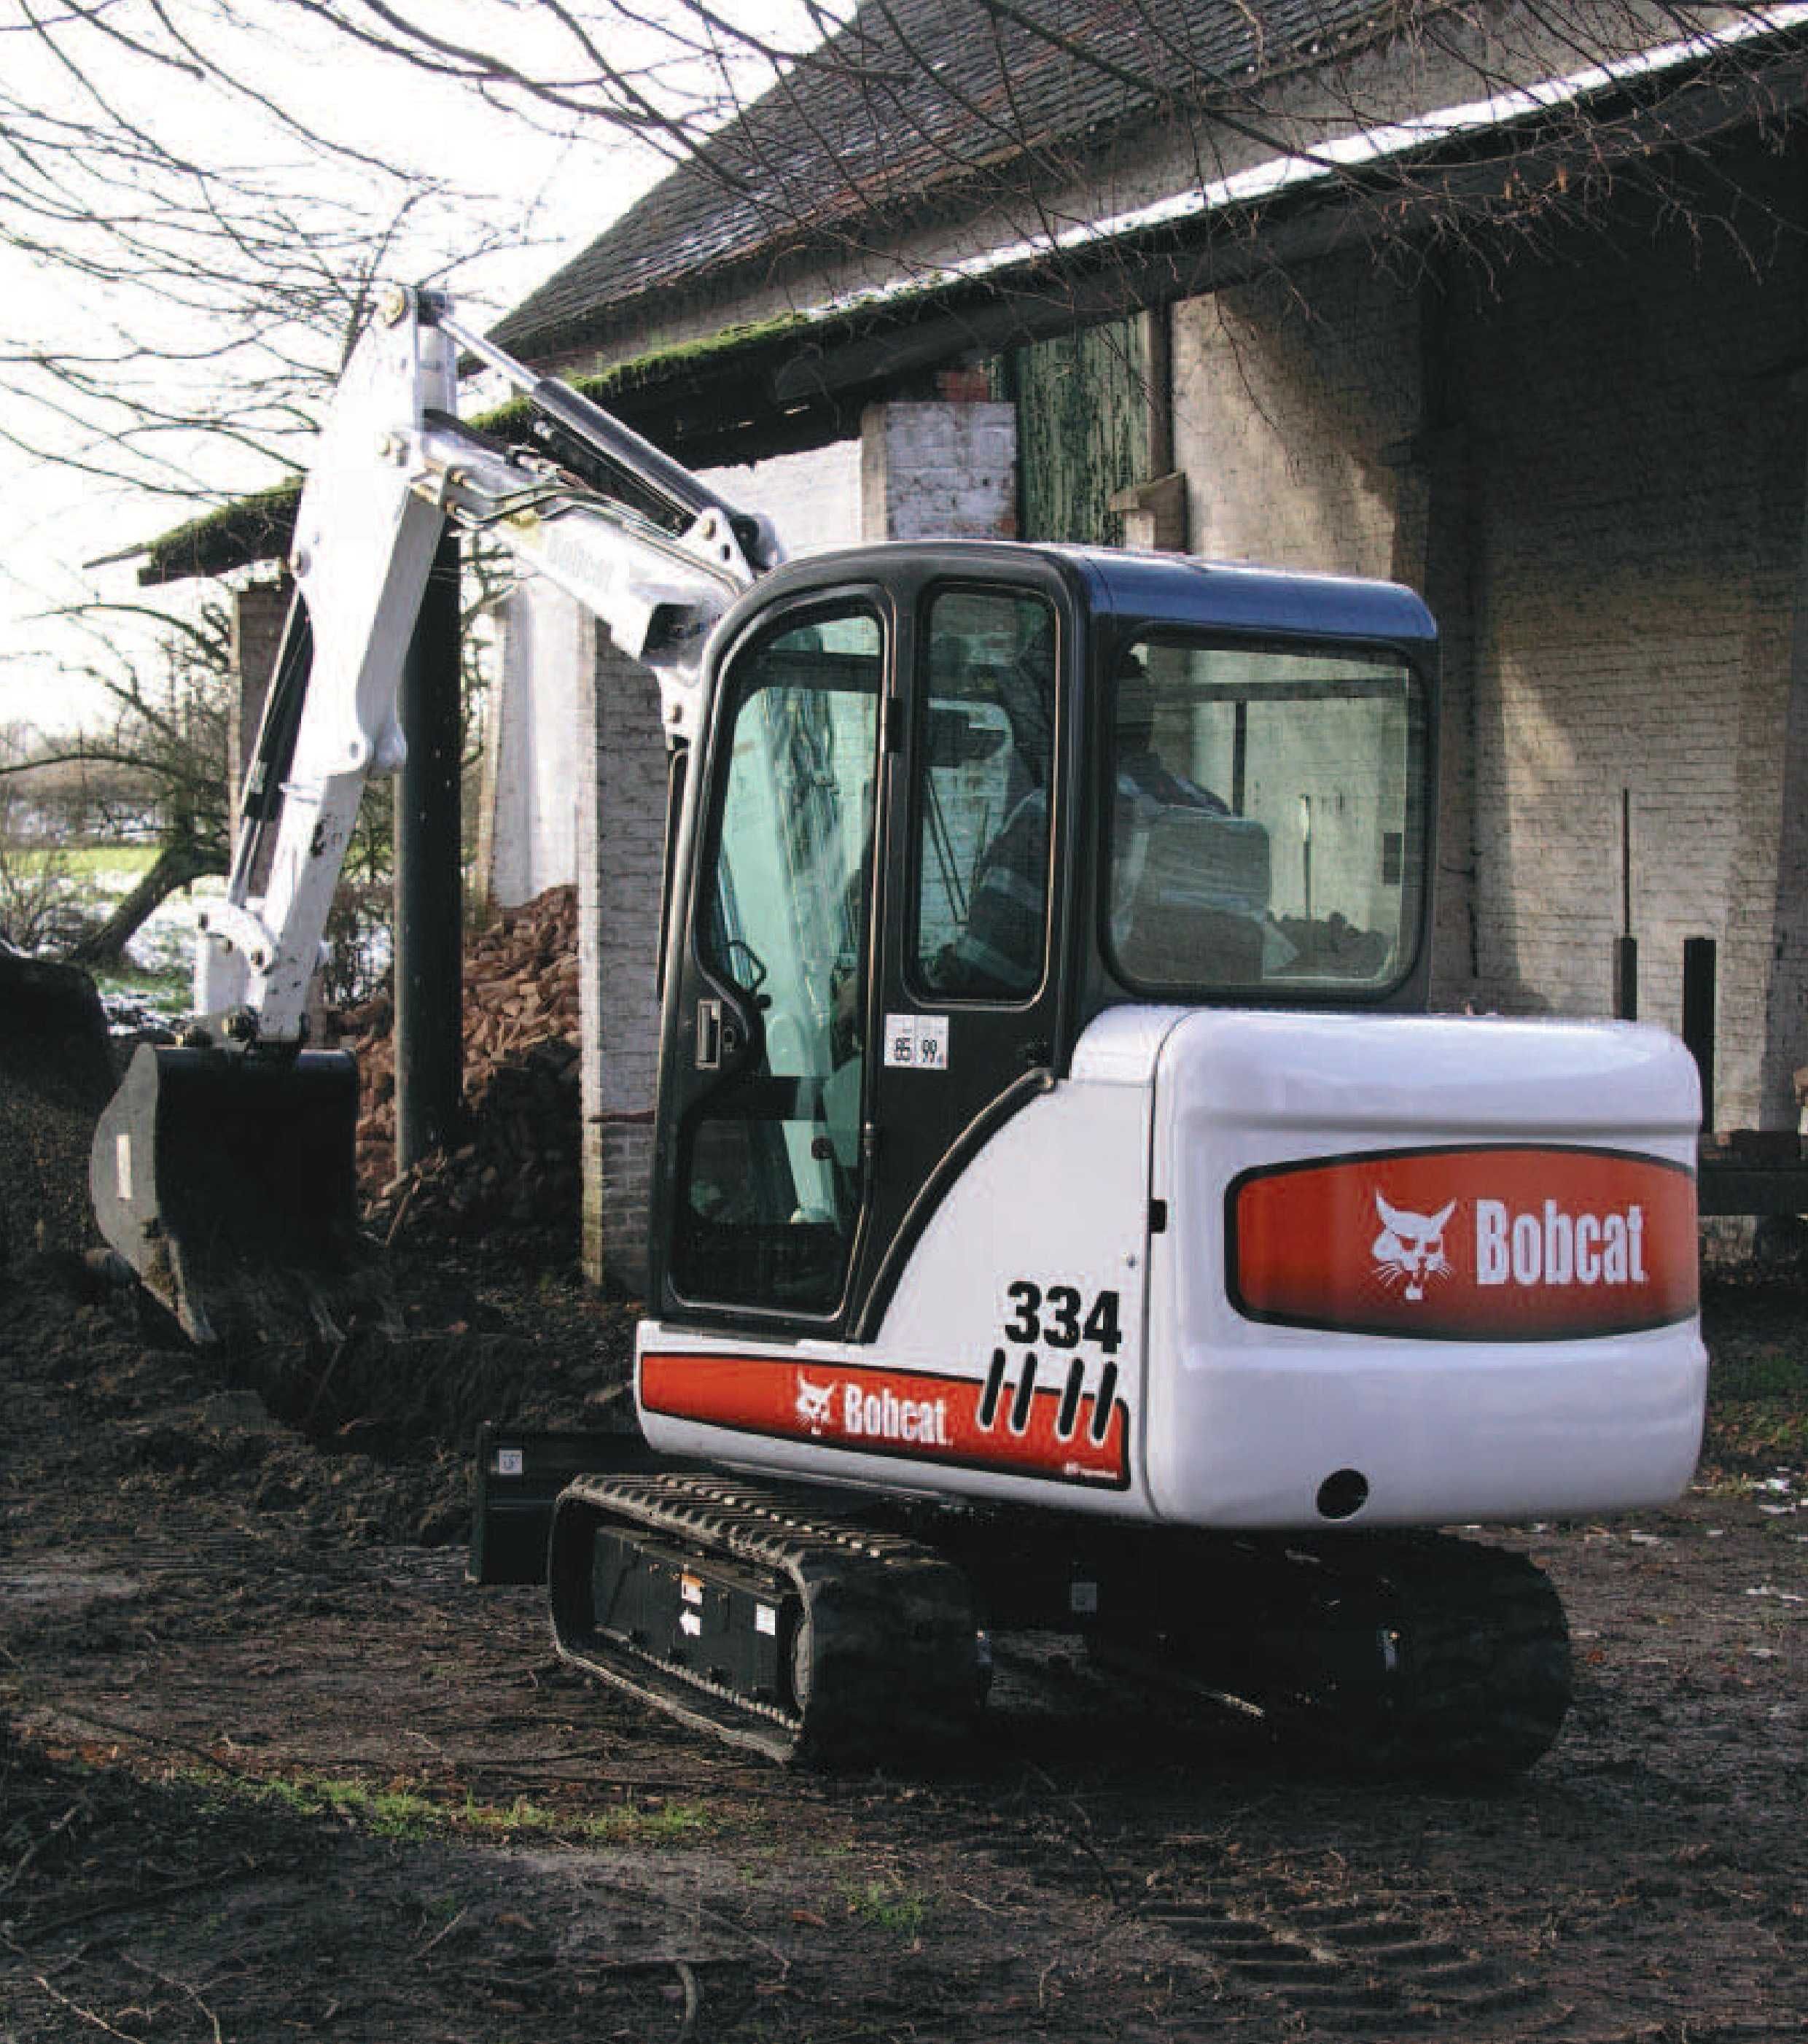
[(1639, 533), (1288, 395), (941, 470), (1629, 482), (620, 756), (813, 499), (621, 763)]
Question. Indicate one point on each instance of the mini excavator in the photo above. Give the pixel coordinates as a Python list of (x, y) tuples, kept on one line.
[(1065, 1213)]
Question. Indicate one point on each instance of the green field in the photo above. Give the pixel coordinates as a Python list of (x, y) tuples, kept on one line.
[(83, 861)]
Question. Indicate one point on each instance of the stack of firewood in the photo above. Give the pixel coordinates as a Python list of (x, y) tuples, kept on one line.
[(514, 1178)]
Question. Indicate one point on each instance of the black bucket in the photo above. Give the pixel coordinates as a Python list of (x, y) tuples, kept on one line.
[(227, 1179)]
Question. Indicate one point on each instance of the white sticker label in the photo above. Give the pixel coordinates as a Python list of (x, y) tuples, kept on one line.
[(765, 1620), (510, 1462), (918, 1042), (122, 1163), (690, 1589), (689, 1622)]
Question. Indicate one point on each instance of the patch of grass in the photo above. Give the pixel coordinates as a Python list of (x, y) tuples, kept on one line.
[(888, 1906), (667, 1824), (83, 861), (1764, 1371), (170, 989), (406, 1813), (1757, 1405)]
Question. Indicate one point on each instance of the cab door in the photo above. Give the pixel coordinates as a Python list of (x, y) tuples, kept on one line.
[(973, 986), (763, 1181)]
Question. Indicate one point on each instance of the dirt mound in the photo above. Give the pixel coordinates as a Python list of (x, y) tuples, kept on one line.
[(514, 1184), (370, 1437), (56, 1073)]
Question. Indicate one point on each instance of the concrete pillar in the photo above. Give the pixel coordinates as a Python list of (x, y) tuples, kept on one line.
[(621, 772), (945, 470), (1786, 1003), (1434, 552)]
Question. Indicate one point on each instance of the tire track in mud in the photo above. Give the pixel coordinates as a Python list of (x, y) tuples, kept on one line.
[(1378, 1966), (1370, 1966)]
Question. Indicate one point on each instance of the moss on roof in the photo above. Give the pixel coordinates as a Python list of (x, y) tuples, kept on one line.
[(258, 528), (261, 527)]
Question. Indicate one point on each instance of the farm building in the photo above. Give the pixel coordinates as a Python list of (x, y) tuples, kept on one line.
[(1504, 306)]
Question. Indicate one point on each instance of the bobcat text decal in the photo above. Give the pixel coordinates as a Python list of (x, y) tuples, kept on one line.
[(1513, 1243), (1072, 1429)]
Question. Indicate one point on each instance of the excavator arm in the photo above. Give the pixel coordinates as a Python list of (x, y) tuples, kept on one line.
[(222, 1170), (656, 564)]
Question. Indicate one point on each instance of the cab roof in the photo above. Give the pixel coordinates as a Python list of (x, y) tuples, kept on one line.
[(1140, 588)]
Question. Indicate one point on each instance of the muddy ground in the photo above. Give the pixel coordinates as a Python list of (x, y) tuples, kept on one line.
[(274, 1770)]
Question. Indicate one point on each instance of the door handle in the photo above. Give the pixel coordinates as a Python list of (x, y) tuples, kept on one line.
[(708, 1035)]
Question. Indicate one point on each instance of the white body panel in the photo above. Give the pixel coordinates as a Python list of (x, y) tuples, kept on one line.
[(1246, 1419), (1232, 1420), (1057, 1198)]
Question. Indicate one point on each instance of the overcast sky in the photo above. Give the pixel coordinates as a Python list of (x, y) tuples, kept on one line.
[(52, 519)]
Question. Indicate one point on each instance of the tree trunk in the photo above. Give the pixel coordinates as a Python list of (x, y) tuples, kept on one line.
[(176, 865)]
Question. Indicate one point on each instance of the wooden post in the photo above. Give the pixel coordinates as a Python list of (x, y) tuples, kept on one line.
[(1698, 968), (429, 960), (1626, 947)]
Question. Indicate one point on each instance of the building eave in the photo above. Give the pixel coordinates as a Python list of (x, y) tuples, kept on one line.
[(798, 382)]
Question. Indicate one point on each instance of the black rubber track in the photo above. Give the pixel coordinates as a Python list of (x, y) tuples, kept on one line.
[(1392, 1654), (889, 1635)]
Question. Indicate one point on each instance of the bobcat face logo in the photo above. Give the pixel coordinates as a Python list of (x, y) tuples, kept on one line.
[(1410, 1247), (813, 1404)]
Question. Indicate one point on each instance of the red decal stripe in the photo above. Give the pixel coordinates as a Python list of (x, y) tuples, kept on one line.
[(894, 1412), (1509, 1244)]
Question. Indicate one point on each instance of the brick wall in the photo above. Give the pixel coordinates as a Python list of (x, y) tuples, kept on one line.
[(944, 471), (1638, 559), (813, 499), (1289, 396), (1591, 468)]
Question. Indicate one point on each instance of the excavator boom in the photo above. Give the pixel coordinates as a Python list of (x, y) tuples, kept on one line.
[(222, 1171)]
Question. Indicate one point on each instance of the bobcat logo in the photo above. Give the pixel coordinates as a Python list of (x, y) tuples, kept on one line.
[(813, 1404), (1410, 1247)]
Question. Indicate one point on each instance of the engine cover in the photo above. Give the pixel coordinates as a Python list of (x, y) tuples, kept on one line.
[(1412, 1270)]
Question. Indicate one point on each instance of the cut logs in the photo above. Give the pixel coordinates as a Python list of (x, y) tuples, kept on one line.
[(513, 1182)]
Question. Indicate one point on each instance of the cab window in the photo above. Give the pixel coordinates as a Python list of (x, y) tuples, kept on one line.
[(1266, 813), (985, 763)]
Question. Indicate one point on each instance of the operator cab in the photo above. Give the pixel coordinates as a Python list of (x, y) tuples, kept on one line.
[(953, 802)]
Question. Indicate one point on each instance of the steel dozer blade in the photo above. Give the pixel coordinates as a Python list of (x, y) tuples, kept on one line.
[(227, 1180)]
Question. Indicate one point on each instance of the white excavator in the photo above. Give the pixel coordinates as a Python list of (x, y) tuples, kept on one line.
[(1060, 1217)]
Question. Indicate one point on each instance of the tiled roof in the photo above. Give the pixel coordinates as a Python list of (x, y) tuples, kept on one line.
[(909, 103)]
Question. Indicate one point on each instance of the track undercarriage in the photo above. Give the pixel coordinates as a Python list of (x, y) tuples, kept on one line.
[(838, 1630)]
